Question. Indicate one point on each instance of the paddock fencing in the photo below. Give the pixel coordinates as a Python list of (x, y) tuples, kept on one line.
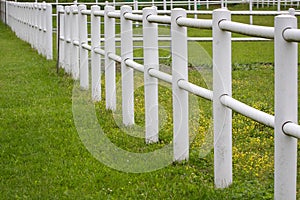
[(76, 51), (31, 22)]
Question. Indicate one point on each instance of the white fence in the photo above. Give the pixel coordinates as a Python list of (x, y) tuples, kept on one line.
[(32, 22), (74, 48)]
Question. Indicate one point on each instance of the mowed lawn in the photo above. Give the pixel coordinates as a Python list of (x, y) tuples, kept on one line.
[(42, 156)]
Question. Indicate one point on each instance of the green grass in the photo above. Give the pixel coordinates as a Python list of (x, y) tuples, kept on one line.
[(43, 157)]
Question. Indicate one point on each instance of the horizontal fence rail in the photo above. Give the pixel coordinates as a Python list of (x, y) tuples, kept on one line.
[(250, 30), (191, 5), (76, 51)]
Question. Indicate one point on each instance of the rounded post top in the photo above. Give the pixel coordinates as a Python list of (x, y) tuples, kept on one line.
[(285, 17), (148, 11), (81, 7), (73, 8), (95, 8), (178, 9), (44, 5), (67, 9), (221, 10), (109, 8), (150, 8), (221, 14), (177, 12), (292, 11), (126, 9), (60, 7)]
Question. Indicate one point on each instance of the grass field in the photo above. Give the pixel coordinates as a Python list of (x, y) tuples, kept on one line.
[(43, 157)]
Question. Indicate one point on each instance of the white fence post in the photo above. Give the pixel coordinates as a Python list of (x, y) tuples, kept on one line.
[(180, 96), (74, 62), (7, 17), (127, 72), (95, 58), (41, 28), (222, 115), (286, 101), (25, 22), (151, 61), (26, 15), (136, 7), (13, 19), (49, 38), (83, 53), (32, 25), (67, 39), (11, 9), (17, 17), (195, 8), (35, 14), (250, 9), (110, 65), (71, 26), (19, 29), (29, 21), (23, 25), (25, 34), (61, 31), (39, 25), (44, 42), (23, 17), (20, 25), (36, 44)]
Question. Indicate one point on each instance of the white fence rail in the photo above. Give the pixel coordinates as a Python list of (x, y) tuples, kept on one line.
[(74, 48), (190, 5), (32, 22)]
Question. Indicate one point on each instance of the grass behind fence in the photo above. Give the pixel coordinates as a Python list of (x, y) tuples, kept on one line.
[(42, 156)]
